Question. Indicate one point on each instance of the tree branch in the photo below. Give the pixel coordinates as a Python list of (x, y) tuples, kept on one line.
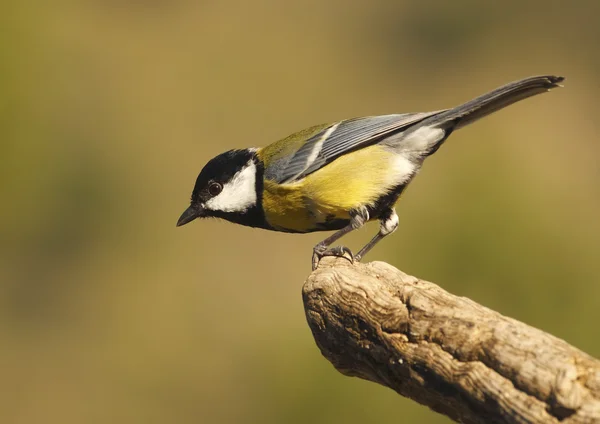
[(457, 357)]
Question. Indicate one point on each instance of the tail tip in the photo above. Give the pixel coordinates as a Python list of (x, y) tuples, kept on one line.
[(554, 81)]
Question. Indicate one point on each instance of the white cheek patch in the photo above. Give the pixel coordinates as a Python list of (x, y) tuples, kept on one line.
[(239, 194)]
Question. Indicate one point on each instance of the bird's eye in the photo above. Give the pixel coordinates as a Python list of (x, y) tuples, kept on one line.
[(215, 188)]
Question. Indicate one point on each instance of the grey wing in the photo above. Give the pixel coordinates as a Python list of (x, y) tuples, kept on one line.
[(343, 137)]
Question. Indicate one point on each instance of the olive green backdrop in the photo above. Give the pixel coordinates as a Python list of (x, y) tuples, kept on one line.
[(108, 110)]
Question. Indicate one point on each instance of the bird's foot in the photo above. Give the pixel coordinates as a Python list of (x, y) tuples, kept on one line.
[(321, 251)]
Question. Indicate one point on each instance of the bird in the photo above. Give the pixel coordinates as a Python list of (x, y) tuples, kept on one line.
[(338, 176)]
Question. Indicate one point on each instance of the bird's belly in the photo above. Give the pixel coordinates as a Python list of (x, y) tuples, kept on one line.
[(324, 199), (284, 208)]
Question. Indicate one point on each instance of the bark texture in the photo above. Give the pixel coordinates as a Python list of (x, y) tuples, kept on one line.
[(457, 357)]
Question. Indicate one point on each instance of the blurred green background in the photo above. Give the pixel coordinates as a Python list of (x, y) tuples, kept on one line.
[(109, 109)]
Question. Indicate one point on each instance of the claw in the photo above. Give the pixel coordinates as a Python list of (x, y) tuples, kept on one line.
[(339, 251)]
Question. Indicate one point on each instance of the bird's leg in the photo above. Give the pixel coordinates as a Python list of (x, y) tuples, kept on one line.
[(321, 249), (389, 224), (357, 220)]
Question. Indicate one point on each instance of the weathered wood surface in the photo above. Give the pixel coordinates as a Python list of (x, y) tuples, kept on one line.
[(447, 352)]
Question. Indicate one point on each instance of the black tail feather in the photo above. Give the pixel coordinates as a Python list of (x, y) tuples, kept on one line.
[(493, 101)]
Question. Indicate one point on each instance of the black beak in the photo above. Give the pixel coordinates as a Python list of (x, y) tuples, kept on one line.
[(189, 215)]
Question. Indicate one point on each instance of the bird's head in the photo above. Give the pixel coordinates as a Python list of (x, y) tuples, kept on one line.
[(228, 187)]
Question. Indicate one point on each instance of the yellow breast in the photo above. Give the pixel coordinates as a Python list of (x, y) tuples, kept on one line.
[(356, 179)]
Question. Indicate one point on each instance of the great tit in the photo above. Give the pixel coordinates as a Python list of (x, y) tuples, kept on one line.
[(338, 176)]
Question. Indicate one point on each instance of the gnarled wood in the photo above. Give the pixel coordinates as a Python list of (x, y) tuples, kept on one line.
[(459, 358)]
